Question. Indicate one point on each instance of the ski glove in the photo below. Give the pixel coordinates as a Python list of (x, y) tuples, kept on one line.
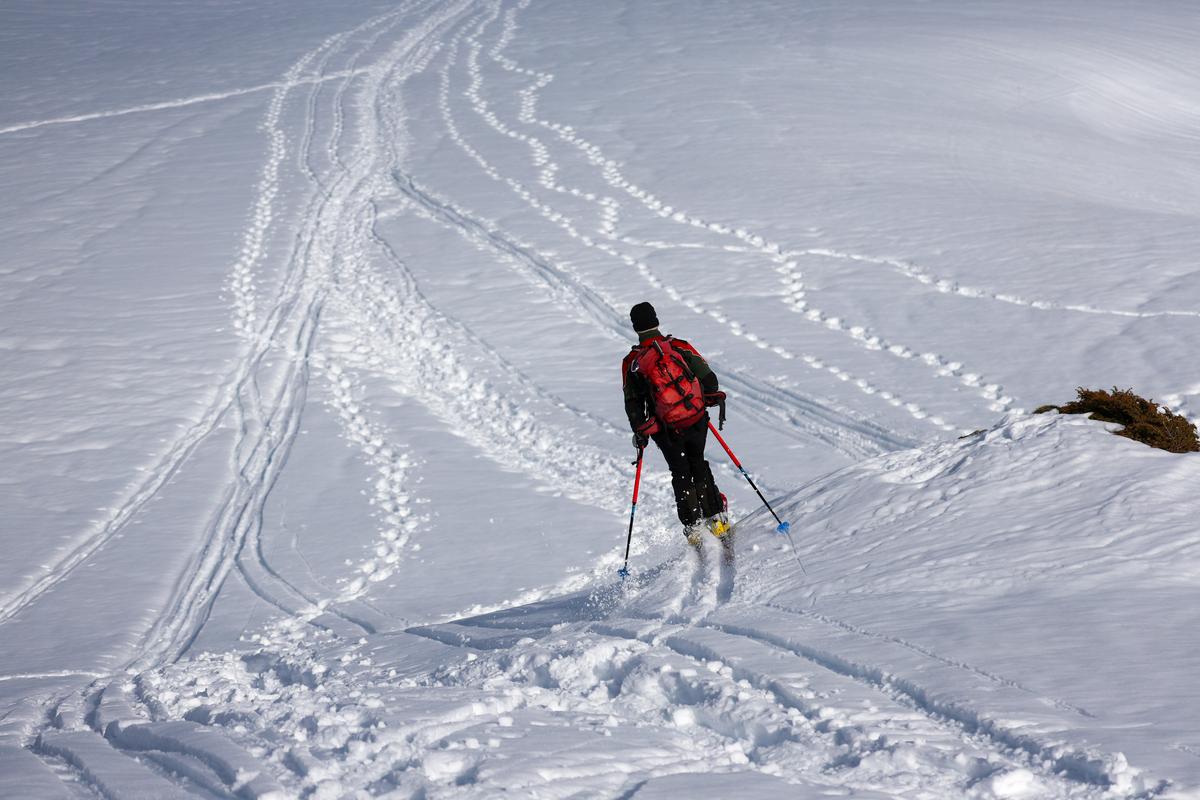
[(643, 432), (647, 428)]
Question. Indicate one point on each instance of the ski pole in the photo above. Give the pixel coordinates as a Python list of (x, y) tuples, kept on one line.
[(637, 482), (784, 527)]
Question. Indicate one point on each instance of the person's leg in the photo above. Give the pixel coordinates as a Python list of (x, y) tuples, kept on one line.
[(674, 450), (712, 503), (705, 486)]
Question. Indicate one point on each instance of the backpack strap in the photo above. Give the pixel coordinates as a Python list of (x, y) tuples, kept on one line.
[(636, 351)]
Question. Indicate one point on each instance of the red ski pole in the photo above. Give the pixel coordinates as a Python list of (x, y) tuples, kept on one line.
[(637, 482), (784, 527)]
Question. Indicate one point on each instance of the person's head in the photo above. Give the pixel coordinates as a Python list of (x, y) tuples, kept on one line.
[(643, 317)]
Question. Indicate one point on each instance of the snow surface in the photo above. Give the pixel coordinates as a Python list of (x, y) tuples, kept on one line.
[(315, 472)]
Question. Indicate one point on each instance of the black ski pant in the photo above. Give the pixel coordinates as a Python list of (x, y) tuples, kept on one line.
[(696, 493)]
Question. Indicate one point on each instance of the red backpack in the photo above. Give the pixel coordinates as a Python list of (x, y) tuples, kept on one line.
[(678, 397)]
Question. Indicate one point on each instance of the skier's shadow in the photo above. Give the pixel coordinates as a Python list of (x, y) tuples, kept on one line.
[(502, 629)]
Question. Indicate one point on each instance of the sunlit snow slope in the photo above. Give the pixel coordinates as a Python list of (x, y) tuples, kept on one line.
[(315, 470)]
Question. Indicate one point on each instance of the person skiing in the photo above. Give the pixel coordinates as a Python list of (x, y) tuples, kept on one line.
[(668, 386)]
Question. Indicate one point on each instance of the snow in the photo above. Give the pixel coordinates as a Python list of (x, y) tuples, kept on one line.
[(315, 473)]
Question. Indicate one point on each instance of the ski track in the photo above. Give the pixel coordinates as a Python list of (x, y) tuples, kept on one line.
[(1000, 680), (168, 464), (837, 429), (389, 497), (266, 429), (258, 467), (1079, 773), (287, 84), (572, 229), (317, 240), (391, 493), (457, 331), (404, 338), (558, 278), (411, 343), (547, 178), (324, 247), (776, 254), (684, 622), (1063, 771), (265, 434), (944, 285), (63, 673), (388, 460), (258, 463), (780, 708), (172, 460), (843, 431), (1080, 767)]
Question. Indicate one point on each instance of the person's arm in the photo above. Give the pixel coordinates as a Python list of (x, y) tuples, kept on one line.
[(636, 400)]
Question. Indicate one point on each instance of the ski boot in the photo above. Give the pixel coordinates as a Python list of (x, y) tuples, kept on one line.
[(718, 524)]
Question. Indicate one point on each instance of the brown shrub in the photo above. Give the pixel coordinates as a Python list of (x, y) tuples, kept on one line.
[(1143, 419)]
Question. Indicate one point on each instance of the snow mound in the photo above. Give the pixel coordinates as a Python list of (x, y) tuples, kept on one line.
[(992, 617), (1031, 581)]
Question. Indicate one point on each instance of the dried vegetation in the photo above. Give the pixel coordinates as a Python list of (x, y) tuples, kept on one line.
[(1143, 419)]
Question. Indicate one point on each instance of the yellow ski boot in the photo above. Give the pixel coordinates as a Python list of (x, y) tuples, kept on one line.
[(718, 524)]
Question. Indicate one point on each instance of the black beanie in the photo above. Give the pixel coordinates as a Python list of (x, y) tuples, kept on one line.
[(643, 317)]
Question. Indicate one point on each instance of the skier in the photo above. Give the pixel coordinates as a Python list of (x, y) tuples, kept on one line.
[(668, 386)]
